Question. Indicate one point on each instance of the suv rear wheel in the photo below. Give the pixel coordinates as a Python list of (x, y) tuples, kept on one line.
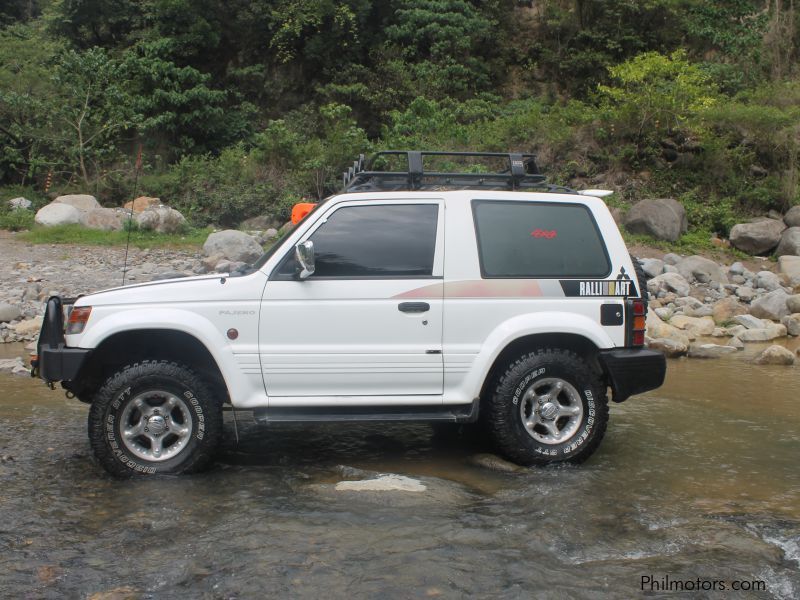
[(154, 417), (548, 407)]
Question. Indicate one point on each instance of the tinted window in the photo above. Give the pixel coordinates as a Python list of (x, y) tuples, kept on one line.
[(527, 239), (374, 241)]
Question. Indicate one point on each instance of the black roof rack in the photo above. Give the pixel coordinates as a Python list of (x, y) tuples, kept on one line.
[(521, 174)]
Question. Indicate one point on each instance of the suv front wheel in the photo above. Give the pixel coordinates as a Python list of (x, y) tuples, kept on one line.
[(154, 417), (548, 407)]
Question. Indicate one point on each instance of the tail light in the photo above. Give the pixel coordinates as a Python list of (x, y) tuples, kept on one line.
[(77, 319), (637, 313)]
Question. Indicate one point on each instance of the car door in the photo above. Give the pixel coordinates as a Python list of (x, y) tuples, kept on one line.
[(368, 321)]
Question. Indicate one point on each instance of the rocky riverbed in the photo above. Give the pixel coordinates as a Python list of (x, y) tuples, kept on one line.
[(699, 308)]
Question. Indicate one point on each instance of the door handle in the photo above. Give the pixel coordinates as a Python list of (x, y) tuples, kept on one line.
[(413, 307)]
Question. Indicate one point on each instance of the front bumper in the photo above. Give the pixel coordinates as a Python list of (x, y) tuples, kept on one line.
[(54, 360), (633, 371)]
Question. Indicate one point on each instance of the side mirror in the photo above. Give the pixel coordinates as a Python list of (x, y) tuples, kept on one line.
[(304, 252)]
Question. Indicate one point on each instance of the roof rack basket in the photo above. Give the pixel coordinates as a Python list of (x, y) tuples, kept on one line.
[(520, 174)]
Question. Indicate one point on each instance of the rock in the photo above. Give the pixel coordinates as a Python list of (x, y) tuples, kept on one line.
[(727, 308), (285, 227), (775, 355), (118, 593), (746, 293), (14, 366), (709, 350), (384, 483), (673, 282), (700, 326), (57, 214), (664, 312), (141, 204), (758, 237), (495, 463), (161, 219), (652, 266), (670, 348), (209, 262), (735, 342), (232, 245), (704, 310), (736, 268), (764, 334), (83, 202), (700, 269), (671, 259), (792, 324), (789, 267), (29, 327), (767, 280), (793, 303), (663, 219), (658, 329), (770, 306), (19, 204), (790, 243), (9, 312), (106, 219), (748, 321), (792, 217), (260, 223), (223, 266), (271, 233)]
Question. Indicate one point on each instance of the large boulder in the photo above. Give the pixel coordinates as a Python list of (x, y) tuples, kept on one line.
[(764, 334), (770, 306), (670, 348), (107, 219), (57, 213), (668, 282), (161, 219), (767, 280), (710, 350), (775, 355), (700, 269), (9, 312), (726, 309), (83, 202), (141, 204), (663, 219), (792, 217), (19, 203), (261, 223), (232, 245), (758, 237), (789, 266), (789, 243)]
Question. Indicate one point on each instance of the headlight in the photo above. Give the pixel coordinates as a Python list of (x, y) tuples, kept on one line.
[(77, 319)]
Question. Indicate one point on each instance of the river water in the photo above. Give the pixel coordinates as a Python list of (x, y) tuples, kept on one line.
[(698, 482)]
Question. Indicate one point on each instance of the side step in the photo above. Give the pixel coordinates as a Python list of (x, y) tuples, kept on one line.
[(461, 413)]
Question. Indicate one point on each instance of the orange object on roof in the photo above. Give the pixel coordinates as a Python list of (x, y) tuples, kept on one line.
[(300, 210)]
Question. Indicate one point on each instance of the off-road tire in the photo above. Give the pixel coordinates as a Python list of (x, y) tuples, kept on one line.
[(641, 280), (197, 406), (507, 425)]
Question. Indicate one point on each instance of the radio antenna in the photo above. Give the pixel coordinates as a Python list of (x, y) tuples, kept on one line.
[(138, 168)]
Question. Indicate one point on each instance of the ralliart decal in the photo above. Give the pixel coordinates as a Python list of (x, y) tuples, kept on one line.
[(622, 286)]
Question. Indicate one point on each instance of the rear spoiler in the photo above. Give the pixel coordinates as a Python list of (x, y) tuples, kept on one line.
[(596, 193)]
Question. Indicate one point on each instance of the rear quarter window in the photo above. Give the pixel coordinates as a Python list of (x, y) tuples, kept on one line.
[(537, 239)]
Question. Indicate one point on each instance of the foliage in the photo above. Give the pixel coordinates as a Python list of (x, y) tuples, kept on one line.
[(75, 234)]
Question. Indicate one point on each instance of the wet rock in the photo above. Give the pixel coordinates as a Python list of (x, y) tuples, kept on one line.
[(663, 219), (789, 267), (770, 306), (495, 463), (775, 355), (701, 269), (792, 324), (384, 483), (9, 312), (764, 334), (20, 204), (672, 282), (14, 366), (55, 214), (83, 202), (709, 350), (793, 303), (232, 245), (698, 325), (670, 347), (727, 308), (161, 219), (790, 242), (736, 343), (757, 237), (767, 280), (105, 219), (652, 266), (141, 204), (658, 329), (792, 217)]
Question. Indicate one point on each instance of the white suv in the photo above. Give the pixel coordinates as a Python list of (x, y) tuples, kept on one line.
[(515, 309)]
